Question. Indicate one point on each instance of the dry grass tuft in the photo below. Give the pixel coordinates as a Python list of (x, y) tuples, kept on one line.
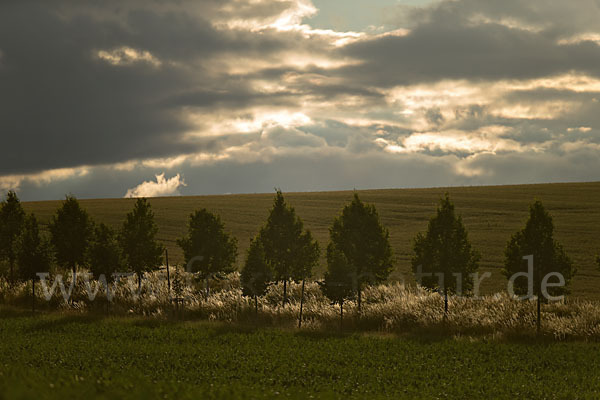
[(386, 308)]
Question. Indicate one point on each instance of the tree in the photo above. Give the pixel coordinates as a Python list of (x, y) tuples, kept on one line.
[(70, 231), (32, 253), (208, 250), (338, 282), (357, 232), (290, 250), (444, 259), (549, 257), (307, 258), (256, 274), (12, 218), (142, 253), (104, 255)]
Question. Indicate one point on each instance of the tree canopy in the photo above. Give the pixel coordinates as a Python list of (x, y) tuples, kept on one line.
[(12, 218), (444, 251), (256, 274), (141, 251), (338, 282), (291, 251), (70, 230), (33, 252), (208, 249), (549, 256), (104, 253), (359, 235), (443, 258)]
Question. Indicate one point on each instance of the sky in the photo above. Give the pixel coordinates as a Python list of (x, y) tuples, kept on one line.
[(161, 98)]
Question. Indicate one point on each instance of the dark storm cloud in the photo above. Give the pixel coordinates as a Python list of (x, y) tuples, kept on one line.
[(62, 106), (213, 90), (219, 10), (580, 111), (533, 167), (333, 92), (350, 138), (434, 116), (472, 39), (556, 18), (485, 52), (233, 98)]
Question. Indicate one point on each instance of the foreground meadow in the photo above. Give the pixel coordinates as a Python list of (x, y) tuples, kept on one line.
[(53, 356)]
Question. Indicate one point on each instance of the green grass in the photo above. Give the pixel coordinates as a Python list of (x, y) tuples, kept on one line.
[(70, 356), (491, 215)]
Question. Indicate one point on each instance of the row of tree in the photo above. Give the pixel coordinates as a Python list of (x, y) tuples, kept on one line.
[(358, 254), (283, 251), (75, 241)]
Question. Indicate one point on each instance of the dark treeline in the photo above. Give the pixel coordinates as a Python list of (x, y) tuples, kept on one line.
[(358, 253)]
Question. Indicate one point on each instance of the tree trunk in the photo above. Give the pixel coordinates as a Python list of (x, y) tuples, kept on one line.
[(539, 314), (107, 295), (445, 303), (12, 268), (139, 282), (301, 305), (74, 269), (284, 292), (256, 305), (33, 294), (168, 275), (207, 288), (341, 315), (359, 299)]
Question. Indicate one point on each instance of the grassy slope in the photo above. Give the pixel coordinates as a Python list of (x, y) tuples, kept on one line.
[(57, 356), (491, 214)]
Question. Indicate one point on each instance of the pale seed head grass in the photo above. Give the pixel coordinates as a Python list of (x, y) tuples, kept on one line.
[(390, 308)]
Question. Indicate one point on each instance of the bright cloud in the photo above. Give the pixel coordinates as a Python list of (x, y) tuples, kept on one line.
[(160, 187), (485, 140), (127, 56), (14, 182)]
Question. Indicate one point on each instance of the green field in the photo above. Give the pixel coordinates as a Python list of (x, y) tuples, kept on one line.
[(62, 356), (490, 213)]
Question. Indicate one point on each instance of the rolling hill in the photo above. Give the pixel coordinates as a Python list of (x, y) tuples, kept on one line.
[(491, 214)]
